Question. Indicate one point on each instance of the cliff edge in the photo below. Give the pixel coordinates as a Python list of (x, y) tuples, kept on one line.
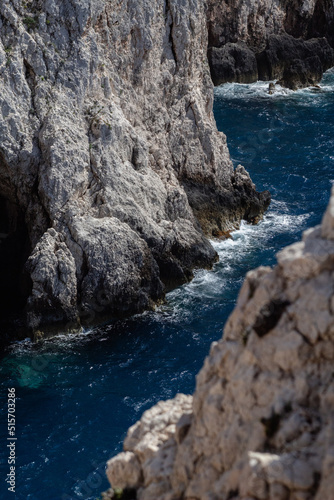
[(111, 167), (260, 423)]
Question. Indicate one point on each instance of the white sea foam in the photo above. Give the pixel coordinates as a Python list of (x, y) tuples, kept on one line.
[(232, 252), (260, 89), (250, 90)]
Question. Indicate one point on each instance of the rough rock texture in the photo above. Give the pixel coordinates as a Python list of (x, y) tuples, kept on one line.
[(294, 62), (108, 146), (233, 62), (261, 425), (252, 21), (260, 25)]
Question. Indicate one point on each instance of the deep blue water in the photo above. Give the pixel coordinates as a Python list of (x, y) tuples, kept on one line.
[(76, 396)]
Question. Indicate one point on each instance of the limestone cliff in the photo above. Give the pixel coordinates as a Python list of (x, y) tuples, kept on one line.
[(260, 423), (111, 166), (287, 41)]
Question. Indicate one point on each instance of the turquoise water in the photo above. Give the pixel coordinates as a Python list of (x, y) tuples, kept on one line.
[(76, 396)]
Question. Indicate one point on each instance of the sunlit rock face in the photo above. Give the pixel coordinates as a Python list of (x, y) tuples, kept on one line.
[(112, 170), (260, 422)]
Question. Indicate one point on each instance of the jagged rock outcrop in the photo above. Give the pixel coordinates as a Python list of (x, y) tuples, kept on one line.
[(108, 146), (233, 62), (292, 41), (261, 422), (294, 62)]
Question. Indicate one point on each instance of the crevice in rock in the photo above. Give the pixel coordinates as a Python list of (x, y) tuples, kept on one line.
[(171, 26), (233, 494), (31, 81), (30, 77), (15, 285), (269, 316), (271, 424), (83, 269), (316, 483)]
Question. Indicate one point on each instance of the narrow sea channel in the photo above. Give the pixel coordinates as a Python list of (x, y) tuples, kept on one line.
[(76, 396)]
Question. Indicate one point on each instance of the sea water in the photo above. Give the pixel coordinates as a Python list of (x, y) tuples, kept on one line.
[(77, 395)]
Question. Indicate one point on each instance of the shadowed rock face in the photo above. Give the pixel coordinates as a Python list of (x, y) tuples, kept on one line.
[(107, 137), (260, 422), (295, 62), (233, 62), (310, 19), (292, 41)]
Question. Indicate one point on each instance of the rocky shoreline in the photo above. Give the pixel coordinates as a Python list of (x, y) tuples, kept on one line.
[(112, 171), (260, 423)]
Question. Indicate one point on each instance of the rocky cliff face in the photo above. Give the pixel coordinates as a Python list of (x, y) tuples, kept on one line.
[(286, 41), (108, 152), (260, 423)]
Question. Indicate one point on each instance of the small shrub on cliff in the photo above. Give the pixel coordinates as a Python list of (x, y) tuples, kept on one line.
[(30, 22)]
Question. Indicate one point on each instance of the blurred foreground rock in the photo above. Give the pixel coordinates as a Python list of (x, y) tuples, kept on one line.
[(260, 423)]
